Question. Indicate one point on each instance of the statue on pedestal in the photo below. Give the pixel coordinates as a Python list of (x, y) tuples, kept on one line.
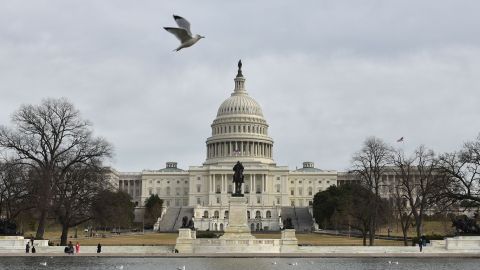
[(238, 179)]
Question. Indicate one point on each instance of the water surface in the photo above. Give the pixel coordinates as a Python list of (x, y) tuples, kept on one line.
[(17, 263)]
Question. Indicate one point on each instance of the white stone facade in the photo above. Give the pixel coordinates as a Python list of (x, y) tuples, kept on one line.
[(239, 133)]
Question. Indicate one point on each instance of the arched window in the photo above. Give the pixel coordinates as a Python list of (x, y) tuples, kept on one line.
[(269, 214), (205, 214), (221, 226), (216, 214), (258, 214)]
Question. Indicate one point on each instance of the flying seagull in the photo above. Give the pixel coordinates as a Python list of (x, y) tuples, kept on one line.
[(183, 33)]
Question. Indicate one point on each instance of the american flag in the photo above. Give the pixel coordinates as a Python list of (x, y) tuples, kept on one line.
[(400, 140)]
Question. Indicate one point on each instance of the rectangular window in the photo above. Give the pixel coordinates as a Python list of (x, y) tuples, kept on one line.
[(259, 200), (198, 201), (177, 191), (292, 192), (158, 191), (199, 188), (150, 191), (278, 188), (300, 191), (218, 199), (278, 200), (185, 191)]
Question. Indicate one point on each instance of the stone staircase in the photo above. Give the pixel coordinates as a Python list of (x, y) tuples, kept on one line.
[(184, 211), (172, 219), (301, 218), (304, 219)]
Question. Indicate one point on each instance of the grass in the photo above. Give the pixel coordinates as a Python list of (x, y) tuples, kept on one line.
[(429, 227), (53, 233)]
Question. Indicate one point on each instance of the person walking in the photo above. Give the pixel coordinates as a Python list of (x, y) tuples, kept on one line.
[(99, 248), (420, 244), (27, 248), (77, 248)]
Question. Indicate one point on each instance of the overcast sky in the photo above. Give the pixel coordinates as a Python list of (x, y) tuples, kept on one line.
[(327, 74)]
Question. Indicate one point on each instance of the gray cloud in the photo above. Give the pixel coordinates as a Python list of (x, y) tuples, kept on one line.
[(327, 73)]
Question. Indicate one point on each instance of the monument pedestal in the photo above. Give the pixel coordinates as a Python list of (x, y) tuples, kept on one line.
[(185, 240), (237, 227), (237, 237)]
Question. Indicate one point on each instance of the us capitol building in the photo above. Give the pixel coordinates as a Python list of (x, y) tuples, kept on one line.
[(239, 133)]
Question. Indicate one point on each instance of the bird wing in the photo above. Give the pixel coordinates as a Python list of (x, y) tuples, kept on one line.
[(181, 33), (182, 23)]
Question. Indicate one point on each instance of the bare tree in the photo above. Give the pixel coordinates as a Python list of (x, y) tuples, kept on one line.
[(462, 174), (50, 138), (417, 183), (370, 164), (14, 190), (76, 193)]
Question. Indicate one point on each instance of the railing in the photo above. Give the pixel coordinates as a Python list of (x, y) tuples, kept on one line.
[(218, 242)]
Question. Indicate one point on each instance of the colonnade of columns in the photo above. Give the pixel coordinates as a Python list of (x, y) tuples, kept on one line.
[(239, 148), (256, 183), (129, 186)]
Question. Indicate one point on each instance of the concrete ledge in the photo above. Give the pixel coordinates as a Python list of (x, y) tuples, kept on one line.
[(257, 255), (92, 250)]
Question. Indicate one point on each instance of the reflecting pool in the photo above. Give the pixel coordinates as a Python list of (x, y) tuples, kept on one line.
[(17, 263)]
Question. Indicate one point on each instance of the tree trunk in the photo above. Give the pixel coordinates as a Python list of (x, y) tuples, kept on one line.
[(405, 232), (364, 236), (371, 236), (404, 223), (41, 224), (419, 227), (63, 238)]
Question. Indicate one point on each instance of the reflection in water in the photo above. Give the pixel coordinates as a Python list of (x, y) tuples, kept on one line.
[(70, 262)]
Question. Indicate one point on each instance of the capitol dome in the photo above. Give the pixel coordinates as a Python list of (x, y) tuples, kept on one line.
[(240, 104), (239, 132)]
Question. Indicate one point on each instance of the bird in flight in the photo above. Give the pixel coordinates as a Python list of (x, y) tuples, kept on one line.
[(182, 32)]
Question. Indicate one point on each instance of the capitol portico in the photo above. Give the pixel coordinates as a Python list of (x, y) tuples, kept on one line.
[(239, 133)]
